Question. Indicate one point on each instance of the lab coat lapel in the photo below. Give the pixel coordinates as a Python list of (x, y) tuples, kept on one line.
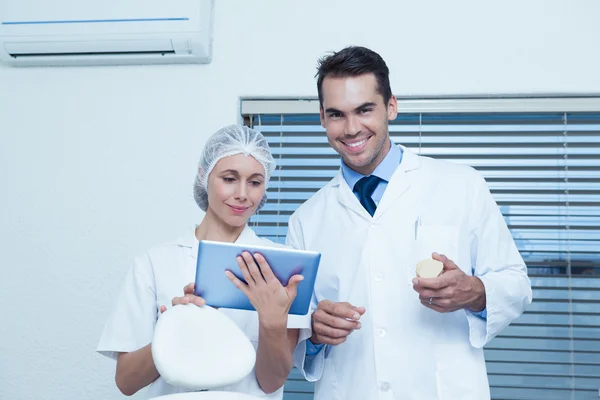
[(346, 197), (400, 182)]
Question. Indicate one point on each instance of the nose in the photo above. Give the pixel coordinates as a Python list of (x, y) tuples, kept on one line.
[(241, 191), (353, 126)]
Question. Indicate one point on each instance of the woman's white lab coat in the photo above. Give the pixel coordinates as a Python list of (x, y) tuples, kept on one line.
[(405, 350), (155, 278)]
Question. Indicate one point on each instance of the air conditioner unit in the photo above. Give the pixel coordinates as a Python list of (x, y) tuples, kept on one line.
[(105, 32)]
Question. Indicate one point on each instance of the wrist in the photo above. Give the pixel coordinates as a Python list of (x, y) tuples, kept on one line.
[(271, 323), (479, 303), (313, 340)]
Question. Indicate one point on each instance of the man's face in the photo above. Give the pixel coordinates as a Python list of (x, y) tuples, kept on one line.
[(356, 120)]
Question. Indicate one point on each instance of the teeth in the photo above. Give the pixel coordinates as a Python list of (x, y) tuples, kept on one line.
[(357, 143)]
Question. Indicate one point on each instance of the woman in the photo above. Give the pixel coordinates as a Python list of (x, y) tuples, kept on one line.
[(230, 186)]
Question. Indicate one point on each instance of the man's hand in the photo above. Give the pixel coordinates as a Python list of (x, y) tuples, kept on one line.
[(333, 322), (452, 290)]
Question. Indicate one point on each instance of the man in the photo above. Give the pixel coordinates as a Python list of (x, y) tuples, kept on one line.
[(378, 331)]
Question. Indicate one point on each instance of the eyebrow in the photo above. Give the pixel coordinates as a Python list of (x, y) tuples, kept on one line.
[(234, 172), (364, 105)]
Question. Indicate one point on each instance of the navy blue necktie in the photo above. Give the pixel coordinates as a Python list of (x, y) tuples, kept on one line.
[(364, 188)]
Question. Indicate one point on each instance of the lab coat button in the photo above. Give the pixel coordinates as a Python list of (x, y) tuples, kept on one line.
[(381, 332), (378, 277), (385, 386)]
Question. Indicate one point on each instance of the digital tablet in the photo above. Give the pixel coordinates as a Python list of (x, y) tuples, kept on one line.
[(214, 258)]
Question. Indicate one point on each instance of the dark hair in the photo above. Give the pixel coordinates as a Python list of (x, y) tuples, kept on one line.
[(354, 61)]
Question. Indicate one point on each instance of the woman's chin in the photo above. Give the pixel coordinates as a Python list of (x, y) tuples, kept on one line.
[(237, 220)]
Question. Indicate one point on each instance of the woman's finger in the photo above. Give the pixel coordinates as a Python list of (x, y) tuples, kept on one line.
[(197, 300), (163, 309), (237, 283), (189, 298), (253, 268), (245, 272), (292, 287), (189, 288), (179, 300), (265, 268)]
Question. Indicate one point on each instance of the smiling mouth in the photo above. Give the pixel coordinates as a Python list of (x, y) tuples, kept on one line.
[(238, 210), (356, 146)]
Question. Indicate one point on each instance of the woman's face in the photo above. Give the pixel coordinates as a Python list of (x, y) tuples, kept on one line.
[(236, 186)]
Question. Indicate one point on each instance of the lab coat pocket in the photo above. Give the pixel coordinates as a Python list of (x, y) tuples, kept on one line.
[(442, 239)]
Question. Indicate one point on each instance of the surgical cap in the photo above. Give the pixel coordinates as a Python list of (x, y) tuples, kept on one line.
[(229, 141)]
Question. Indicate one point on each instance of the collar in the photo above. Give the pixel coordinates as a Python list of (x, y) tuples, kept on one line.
[(384, 170), (410, 162)]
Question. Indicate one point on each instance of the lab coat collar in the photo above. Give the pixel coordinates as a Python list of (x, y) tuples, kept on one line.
[(410, 162), (397, 186), (191, 242), (400, 182)]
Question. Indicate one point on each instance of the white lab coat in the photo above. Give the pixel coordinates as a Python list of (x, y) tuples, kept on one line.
[(154, 279), (405, 350)]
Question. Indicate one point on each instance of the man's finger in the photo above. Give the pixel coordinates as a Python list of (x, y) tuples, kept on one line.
[(360, 310), (341, 310), (324, 330), (330, 340), (324, 305), (427, 293), (448, 305), (433, 306), (448, 263), (429, 283), (333, 321)]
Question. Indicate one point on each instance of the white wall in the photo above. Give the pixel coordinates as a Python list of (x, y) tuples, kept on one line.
[(96, 164)]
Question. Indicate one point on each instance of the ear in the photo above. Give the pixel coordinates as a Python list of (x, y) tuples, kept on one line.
[(322, 115), (392, 108)]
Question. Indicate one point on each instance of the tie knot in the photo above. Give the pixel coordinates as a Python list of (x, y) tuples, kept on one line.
[(366, 186)]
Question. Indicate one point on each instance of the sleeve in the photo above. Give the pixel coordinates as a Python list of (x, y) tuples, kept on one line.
[(312, 366), (130, 325), (481, 314), (499, 265)]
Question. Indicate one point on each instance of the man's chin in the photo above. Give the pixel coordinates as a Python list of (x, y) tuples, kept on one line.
[(356, 162)]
